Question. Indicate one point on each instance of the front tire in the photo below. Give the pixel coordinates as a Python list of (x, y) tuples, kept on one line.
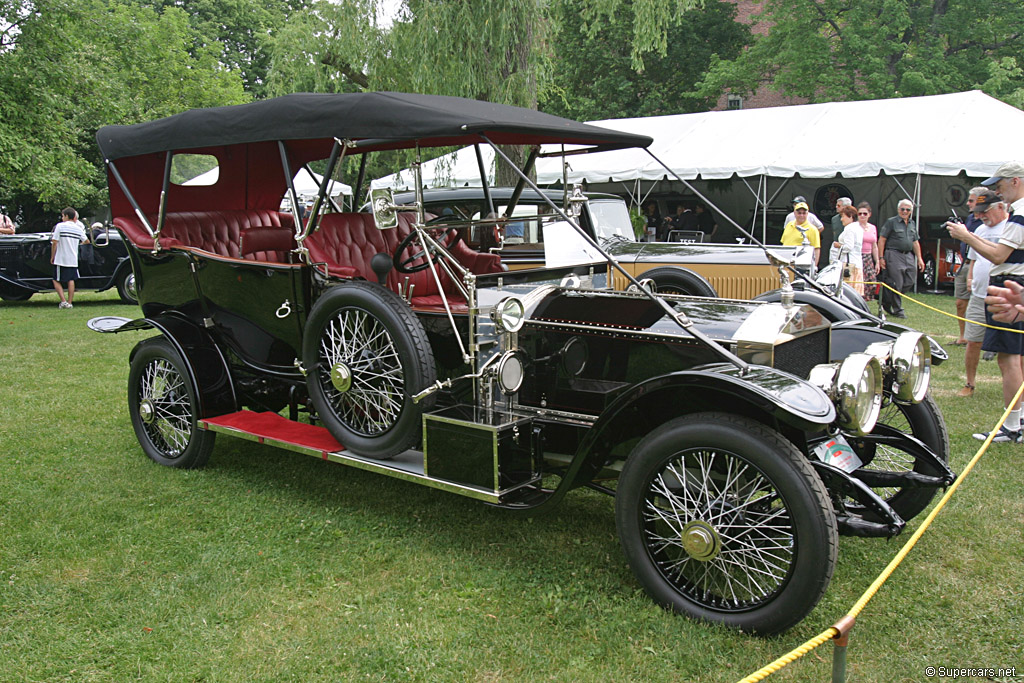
[(366, 355), (723, 520), (163, 407)]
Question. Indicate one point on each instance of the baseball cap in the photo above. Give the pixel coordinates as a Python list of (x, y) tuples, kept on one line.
[(798, 198), (985, 200), (800, 205), (1011, 169)]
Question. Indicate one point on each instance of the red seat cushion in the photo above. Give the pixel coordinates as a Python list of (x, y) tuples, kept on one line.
[(218, 232)]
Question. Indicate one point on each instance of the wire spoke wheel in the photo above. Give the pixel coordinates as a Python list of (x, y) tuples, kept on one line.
[(367, 356), (724, 520), (718, 530), (168, 417), (163, 407), (357, 344), (924, 421)]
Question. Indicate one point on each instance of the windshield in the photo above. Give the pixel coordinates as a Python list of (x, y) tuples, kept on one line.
[(611, 219)]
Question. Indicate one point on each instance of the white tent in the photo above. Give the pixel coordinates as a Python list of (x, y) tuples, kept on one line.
[(904, 141), (305, 186)]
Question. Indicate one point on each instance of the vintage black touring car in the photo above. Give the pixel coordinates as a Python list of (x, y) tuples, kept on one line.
[(737, 438), (25, 267)]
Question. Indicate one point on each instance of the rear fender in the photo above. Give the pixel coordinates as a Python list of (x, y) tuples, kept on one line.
[(17, 284), (125, 264), (208, 369)]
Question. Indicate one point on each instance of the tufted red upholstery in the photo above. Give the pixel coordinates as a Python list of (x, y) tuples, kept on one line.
[(267, 244), (218, 232), (346, 242)]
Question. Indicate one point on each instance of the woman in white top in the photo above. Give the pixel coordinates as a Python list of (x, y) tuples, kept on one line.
[(849, 244)]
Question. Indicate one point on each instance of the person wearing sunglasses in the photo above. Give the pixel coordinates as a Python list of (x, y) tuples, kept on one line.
[(961, 289), (898, 244), (869, 249), (999, 243)]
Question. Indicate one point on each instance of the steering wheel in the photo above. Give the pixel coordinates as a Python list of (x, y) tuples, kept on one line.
[(449, 238)]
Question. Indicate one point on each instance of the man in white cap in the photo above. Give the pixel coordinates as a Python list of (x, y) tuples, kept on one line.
[(1007, 257)]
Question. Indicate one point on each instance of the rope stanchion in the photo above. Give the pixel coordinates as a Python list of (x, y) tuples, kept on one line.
[(842, 627)]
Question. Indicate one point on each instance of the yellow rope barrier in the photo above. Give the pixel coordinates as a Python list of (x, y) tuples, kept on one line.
[(859, 606), (940, 311)]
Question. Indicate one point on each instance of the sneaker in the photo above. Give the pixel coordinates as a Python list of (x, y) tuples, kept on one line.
[(1004, 436), (966, 392), (63, 304), (988, 355)]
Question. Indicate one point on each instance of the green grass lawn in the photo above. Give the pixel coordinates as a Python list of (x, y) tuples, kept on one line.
[(269, 566)]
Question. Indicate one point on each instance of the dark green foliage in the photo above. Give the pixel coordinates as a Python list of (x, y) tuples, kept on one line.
[(830, 50), (71, 67), (595, 76)]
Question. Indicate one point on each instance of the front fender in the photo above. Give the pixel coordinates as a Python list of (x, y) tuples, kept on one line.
[(17, 284), (853, 336), (215, 389), (765, 394)]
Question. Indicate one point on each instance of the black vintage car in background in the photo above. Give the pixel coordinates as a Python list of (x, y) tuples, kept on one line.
[(737, 438), (25, 267)]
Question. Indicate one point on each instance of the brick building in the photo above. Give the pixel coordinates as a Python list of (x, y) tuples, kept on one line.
[(764, 97)]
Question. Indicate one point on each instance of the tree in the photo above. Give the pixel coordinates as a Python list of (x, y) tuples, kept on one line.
[(596, 76), (483, 49), (71, 66), (239, 29), (826, 50)]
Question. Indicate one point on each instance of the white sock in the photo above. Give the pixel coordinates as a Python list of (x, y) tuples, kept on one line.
[(1013, 419)]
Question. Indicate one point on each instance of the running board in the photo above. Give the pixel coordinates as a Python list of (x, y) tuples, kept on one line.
[(276, 430)]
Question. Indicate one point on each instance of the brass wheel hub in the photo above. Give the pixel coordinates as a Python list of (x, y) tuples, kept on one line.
[(147, 412), (701, 541), (341, 377)]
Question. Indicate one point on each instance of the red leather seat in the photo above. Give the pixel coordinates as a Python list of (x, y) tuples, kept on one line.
[(219, 232), (346, 243)]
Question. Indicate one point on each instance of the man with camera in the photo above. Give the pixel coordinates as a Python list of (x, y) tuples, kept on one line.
[(1007, 256)]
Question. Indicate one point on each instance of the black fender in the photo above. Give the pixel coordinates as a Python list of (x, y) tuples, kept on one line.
[(18, 285), (207, 368), (833, 310), (124, 263), (853, 336), (766, 394), (763, 393)]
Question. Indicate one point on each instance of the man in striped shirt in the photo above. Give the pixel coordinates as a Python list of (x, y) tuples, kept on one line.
[(64, 241), (1007, 257)]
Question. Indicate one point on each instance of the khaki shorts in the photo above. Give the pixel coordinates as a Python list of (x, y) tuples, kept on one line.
[(975, 314), (960, 288)]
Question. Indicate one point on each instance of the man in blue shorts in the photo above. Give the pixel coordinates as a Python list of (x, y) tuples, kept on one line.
[(64, 241), (1005, 339)]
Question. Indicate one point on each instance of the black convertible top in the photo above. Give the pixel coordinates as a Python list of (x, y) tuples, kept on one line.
[(390, 119)]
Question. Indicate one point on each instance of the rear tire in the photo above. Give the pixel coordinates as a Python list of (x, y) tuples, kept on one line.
[(163, 407), (11, 293), (126, 287), (672, 280), (723, 520)]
